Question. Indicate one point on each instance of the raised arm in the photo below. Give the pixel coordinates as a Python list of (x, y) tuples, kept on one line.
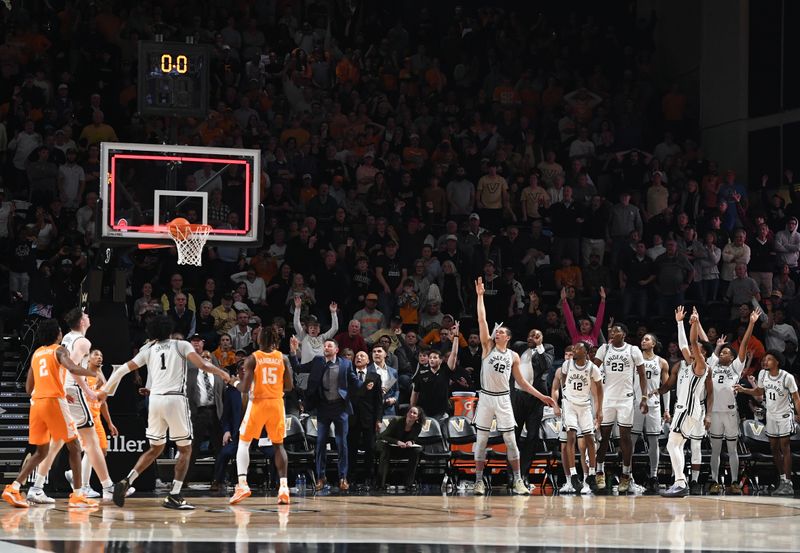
[(699, 358), (483, 326), (601, 312), (334, 309), (569, 319), (298, 327), (452, 359), (754, 316), (683, 343)]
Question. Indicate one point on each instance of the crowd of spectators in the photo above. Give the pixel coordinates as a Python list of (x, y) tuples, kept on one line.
[(404, 155)]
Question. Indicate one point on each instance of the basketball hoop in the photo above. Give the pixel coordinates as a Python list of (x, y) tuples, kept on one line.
[(189, 239)]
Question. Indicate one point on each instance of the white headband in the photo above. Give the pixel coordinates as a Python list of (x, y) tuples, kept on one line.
[(496, 326)]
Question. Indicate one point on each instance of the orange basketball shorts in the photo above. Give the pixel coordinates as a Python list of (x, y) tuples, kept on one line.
[(264, 413)]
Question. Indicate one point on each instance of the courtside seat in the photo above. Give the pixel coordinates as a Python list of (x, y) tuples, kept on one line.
[(299, 452), (435, 458)]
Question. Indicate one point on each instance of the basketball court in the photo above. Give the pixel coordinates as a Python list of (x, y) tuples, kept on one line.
[(390, 523)]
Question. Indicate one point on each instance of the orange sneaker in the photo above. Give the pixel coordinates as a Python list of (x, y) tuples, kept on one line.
[(78, 500), (240, 494), (14, 497), (283, 496)]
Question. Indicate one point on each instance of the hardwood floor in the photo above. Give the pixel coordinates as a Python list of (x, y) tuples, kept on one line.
[(409, 522)]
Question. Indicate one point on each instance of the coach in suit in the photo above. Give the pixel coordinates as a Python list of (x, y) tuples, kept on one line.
[(204, 392), (330, 381), (534, 364), (389, 383), (367, 413)]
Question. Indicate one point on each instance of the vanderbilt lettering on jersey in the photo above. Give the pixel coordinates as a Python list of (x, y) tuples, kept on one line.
[(496, 372)]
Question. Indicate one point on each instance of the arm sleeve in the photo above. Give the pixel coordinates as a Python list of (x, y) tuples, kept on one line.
[(598, 322), (298, 328), (569, 320), (682, 341), (334, 327)]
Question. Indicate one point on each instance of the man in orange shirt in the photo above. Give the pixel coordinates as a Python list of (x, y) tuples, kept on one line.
[(49, 416), (267, 375)]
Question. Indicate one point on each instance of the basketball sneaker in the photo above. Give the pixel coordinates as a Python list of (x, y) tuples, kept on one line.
[(121, 492), (784, 489), (78, 500), (566, 488), (735, 489), (715, 489), (89, 492), (591, 480), (652, 486), (520, 488), (696, 488), (14, 497), (601, 483), (38, 497), (176, 501), (577, 484), (239, 494), (676, 491), (283, 495), (636, 488), (586, 489), (624, 483), (480, 488)]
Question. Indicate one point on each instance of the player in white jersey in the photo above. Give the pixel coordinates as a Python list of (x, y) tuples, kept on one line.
[(618, 361), (78, 390), (498, 360), (779, 390), (169, 408), (725, 369), (580, 379), (693, 389), (656, 370)]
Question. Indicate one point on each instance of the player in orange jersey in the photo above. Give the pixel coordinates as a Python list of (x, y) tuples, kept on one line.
[(267, 375), (49, 416)]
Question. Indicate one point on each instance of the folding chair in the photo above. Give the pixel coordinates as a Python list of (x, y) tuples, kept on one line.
[(298, 450), (757, 442)]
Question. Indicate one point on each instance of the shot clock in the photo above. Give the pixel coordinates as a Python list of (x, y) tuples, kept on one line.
[(173, 78)]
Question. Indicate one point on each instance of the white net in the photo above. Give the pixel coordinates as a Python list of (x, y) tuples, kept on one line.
[(190, 239)]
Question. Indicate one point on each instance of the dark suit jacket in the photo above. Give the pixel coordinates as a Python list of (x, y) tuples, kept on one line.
[(368, 404), (394, 391), (396, 431), (231, 411), (192, 383), (315, 394)]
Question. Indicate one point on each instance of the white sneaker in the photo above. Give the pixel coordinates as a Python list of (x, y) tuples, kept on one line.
[(87, 491), (480, 488), (566, 488), (636, 488), (68, 476), (130, 491), (585, 489), (38, 497)]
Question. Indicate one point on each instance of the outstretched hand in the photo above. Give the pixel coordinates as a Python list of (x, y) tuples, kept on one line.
[(680, 313), (602, 293), (755, 315), (479, 287)]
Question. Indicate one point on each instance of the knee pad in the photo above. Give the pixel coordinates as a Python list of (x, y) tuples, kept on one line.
[(481, 442), (512, 451)]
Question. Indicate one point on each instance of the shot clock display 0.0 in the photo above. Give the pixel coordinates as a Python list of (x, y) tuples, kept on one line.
[(173, 78)]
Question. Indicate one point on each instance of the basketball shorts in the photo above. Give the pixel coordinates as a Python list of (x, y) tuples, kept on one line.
[(724, 425), (780, 426), (649, 424), (618, 411), (578, 418), (491, 408), (79, 408), (690, 427), (169, 415), (49, 418), (269, 414), (102, 439)]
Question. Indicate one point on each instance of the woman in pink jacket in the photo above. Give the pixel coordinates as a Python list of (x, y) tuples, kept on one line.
[(588, 332)]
